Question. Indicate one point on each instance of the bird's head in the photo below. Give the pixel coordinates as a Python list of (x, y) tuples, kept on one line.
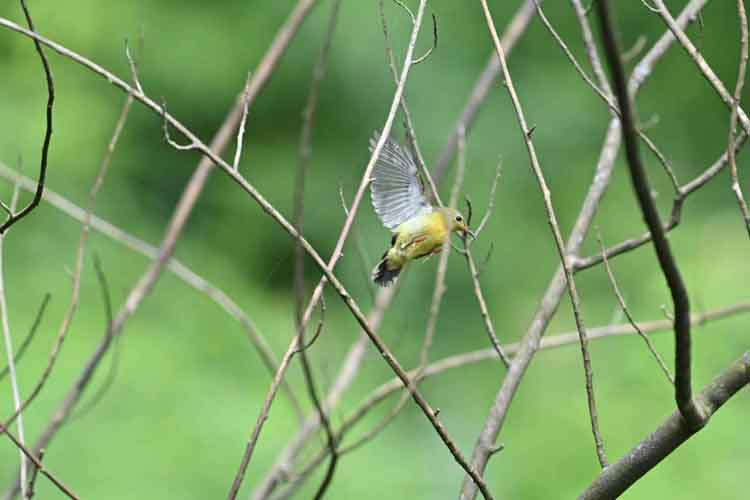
[(456, 222)]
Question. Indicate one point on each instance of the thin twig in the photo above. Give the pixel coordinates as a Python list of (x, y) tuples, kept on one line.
[(32, 332), (243, 120), (47, 134), (8, 343), (411, 135), (434, 42), (560, 244), (101, 278), (32, 482), (683, 389), (685, 191), (626, 311), (38, 464), (742, 67), (473, 272), (703, 66)]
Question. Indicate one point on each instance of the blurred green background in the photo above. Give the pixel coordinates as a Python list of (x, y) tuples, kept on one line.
[(189, 385)]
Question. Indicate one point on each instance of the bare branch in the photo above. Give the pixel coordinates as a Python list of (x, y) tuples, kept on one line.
[(438, 367), (410, 133), (32, 332), (434, 42), (47, 134), (39, 467), (299, 284), (735, 109), (683, 390), (243, 120), (669, 436), (8, 343), (552, 220), (32, 482), (473, 273), (190, 195), (556, 288)]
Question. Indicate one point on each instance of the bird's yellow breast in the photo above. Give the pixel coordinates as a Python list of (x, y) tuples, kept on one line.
[(420, 236)]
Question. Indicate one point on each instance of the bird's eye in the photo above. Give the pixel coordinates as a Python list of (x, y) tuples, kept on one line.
[(459, 218)]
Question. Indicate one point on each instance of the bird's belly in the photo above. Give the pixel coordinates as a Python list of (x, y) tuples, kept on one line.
[(421, 236)]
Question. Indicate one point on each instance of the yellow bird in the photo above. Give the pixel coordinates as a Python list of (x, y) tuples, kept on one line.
[(419, 229)]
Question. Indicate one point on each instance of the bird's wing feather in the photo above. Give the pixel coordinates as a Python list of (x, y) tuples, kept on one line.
[(396, 190)]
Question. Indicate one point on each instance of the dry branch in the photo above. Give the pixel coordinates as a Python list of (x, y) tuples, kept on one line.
[(683, 390)]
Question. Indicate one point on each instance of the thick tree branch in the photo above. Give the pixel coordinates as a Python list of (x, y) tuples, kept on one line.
[(669, 436), (683, 390)]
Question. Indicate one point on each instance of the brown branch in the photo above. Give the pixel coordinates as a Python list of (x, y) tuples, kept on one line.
[(557, 236), (683, 390), (47, 134), (462, 360), (556, 288), (669, 436), (38, 464)]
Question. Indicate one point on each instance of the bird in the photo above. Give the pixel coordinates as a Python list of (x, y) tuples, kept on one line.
[(418, 228)]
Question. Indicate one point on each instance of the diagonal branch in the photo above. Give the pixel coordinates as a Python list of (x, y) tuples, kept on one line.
[(669, 436)]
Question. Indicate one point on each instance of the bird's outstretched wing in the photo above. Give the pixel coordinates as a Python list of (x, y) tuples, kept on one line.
[(396, 190)]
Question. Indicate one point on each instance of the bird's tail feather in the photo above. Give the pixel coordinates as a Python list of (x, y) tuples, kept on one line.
[(385, 274)]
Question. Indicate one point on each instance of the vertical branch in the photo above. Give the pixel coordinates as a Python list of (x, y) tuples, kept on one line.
[(742, 67), (473, 271), (299, 275), (8, 340), (47, 134), (552, 220), (683, 386)]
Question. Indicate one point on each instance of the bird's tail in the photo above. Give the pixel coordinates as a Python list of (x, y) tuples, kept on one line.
[(386, 271)]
